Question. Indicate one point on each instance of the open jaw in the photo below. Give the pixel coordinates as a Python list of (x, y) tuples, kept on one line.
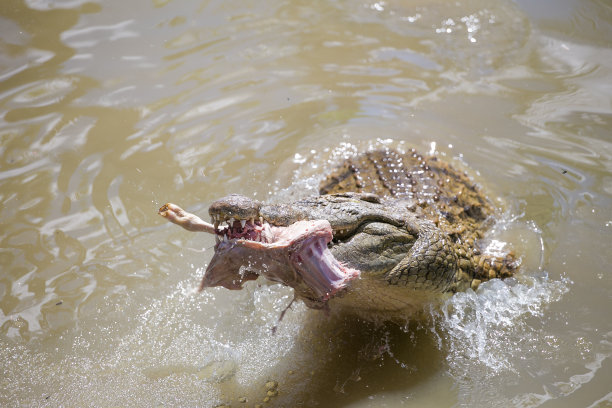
[(296, 255)]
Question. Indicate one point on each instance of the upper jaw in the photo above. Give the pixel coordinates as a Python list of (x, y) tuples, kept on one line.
[(237, 216), (245, 218), (256, 229), (241, 217)]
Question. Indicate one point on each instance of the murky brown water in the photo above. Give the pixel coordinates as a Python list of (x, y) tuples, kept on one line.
[(109, 110)]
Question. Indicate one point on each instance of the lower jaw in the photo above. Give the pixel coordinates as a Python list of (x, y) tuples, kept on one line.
[(321, 271)]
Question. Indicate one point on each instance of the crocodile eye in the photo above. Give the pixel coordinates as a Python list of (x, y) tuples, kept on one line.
[(370, 198)]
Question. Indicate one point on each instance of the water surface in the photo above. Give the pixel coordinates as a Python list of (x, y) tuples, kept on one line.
[(108, 111)]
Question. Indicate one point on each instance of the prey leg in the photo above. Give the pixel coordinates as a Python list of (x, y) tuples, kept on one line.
[(190, 222)]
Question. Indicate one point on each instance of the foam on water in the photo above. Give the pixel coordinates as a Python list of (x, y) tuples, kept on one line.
[(183, 348), (219, 341), (478, 331), (481, 326)]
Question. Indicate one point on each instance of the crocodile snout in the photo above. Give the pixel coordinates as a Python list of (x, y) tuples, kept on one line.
[(234, 206)]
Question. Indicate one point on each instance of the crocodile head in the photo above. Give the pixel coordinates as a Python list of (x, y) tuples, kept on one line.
[(317, 246)]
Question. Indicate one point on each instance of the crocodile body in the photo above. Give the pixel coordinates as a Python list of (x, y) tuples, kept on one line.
[(387, 233), (434, 191)]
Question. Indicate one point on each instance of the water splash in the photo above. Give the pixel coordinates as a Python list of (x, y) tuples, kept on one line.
[(480, 328)]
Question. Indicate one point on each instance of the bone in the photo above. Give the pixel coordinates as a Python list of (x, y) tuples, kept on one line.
[(190, 222)]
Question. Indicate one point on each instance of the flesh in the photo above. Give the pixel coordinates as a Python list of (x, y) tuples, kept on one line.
[(296, 256)]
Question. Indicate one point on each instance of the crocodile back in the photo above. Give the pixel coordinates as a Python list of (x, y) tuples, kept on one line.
[(432, 187)]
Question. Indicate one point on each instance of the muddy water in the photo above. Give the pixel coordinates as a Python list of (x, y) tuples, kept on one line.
[(108, 111)]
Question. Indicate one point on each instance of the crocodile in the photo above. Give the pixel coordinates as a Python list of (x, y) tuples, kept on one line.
[(388, 232)]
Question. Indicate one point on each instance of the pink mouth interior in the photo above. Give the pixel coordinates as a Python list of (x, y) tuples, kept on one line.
[(320, 270), (296, 255)]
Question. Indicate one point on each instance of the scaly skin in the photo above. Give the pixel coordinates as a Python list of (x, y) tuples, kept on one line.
[(382, 239), (410, 225), (434, 191)]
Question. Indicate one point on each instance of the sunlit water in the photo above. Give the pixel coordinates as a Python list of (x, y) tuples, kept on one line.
[(110, 110)]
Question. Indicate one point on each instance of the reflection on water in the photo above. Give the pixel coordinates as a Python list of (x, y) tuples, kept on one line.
[(107, 113)]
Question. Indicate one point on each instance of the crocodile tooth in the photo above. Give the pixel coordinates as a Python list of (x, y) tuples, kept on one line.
[(231, 222), (261, 220), (242, 223)]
